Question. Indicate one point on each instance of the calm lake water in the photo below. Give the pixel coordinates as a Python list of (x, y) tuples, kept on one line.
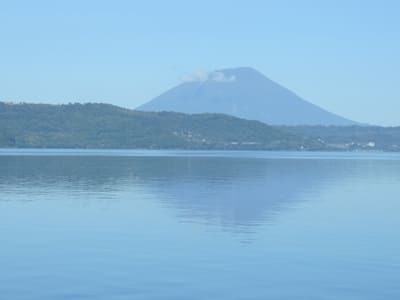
[(199, 225)]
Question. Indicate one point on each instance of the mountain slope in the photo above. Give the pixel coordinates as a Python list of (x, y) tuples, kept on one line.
[(244, 93), (107, 126)]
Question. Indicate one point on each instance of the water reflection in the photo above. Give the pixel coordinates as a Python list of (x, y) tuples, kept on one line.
[(225, 191), (65, 243)]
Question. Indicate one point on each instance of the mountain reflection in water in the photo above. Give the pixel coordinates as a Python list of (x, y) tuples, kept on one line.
[(225, 191)]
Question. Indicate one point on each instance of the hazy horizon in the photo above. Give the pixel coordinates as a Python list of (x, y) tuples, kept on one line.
[(341, 56)]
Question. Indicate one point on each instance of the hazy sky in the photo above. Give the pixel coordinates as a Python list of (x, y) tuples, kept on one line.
[(341, 55)]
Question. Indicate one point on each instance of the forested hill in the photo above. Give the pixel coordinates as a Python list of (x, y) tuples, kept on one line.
[(107, 126), (351, 138)]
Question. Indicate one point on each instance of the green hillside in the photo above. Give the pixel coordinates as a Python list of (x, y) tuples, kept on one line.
[(350, 138), (111, 127), (104, 126)]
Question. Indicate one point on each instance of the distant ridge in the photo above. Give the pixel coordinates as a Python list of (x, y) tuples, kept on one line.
[(104, 126), (245, 93)]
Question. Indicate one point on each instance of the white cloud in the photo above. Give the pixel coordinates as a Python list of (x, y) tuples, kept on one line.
[(205, 76), (221, 77), (195, 76)]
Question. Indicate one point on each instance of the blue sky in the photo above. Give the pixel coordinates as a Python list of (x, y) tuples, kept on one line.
[(341, 55)]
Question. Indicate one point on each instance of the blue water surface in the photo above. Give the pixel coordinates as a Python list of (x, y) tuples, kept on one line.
[(95, 224)]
